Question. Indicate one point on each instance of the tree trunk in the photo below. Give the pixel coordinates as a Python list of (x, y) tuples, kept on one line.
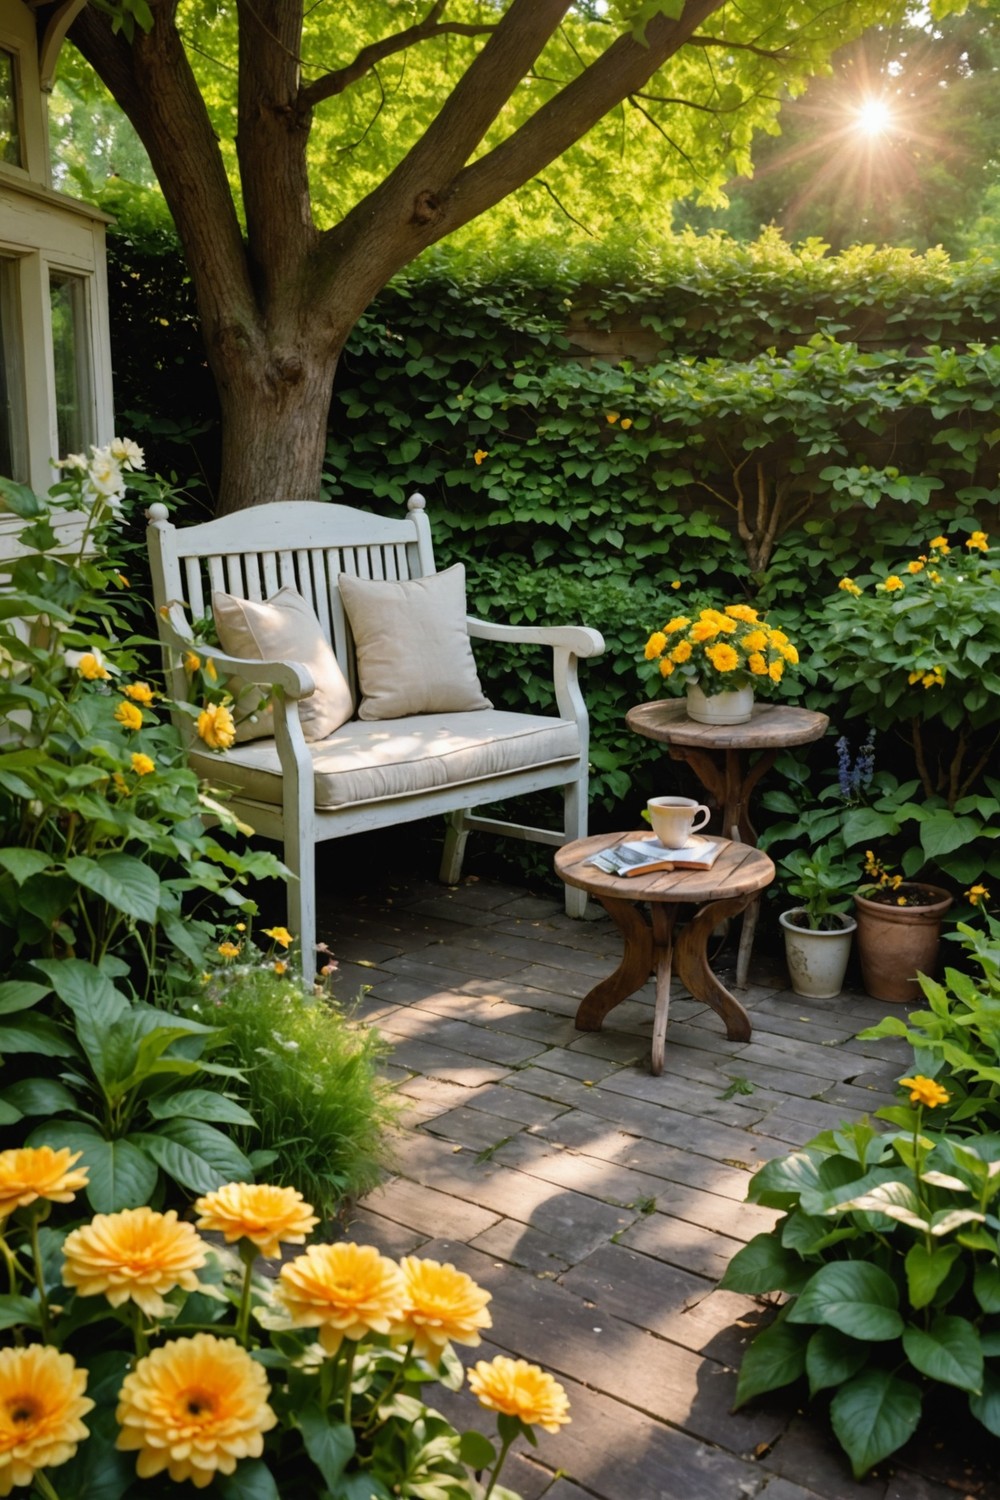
[(274, 426)]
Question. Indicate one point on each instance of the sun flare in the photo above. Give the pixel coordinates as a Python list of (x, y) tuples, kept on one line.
[(874, 117)]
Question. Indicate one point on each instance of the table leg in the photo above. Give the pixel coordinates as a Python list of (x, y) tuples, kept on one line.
[(631, 974), (693, 970), (747, 931), (663, 946)]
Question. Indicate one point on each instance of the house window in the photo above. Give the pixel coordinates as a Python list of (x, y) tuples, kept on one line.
[(13, 423), (10, 130), (72, 362)]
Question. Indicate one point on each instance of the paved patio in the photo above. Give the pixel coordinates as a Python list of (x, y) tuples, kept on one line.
[(601, 1205)]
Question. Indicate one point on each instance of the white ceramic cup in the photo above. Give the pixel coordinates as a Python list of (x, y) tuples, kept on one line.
[(674, 819)]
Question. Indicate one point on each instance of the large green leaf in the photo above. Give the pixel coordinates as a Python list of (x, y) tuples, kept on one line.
[(948, 1351), (986, 1286), (18, 1311), (986, 1406), (121, 1175), (23, 863), (832, 1358), (330, 1445), (859, 1299), (873, 1415), (252, 1480), (927, 1269), (216, 1148), (764, 1265), (121, 880), (779, 1182), (199, 1104), (175, 1147), (95, 1002), (776, 1357), (36, 1034), (19, 994)]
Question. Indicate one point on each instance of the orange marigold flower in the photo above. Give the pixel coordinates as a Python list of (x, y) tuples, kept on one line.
[(757, 664), (925, 1090), (91, 667), (681, 652), (917, 566), (139, 692), (704, 630), (979, 541), (41, 1403), (893, 584), (441, 1305), (142, 765), (135, 1255), (216, 726), (129, 716), (344, 1290), (518, 1389), (666, 666), (849, 586), (268, 1216), (940, 544), (679, 622), (479, 455), (31, 1172), (755, 640), (776, 670), (790, 654), (723, 658), (655, 645), (194, 1407), (742, 612)]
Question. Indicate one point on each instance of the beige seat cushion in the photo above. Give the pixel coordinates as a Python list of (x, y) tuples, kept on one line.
[(412, 643), (376, 762), (284, 628)]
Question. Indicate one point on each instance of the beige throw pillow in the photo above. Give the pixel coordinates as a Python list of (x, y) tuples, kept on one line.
[(284, 628), (412, 643)]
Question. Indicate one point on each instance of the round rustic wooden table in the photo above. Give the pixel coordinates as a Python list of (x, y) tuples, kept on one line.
[(738, 874), (715, 753)]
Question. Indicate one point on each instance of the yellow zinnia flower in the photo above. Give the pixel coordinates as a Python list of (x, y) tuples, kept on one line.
[(755, 640), (440, 1306), (266, 1215), (142, 765), (893, 584), (776, 670), (679, 622), (31, 1172), (518, 1389), (129, 716), (280, 935), (139, 692), (849, 586), (41, 1403), (194, 1407), (925, 1090), (681, 652), (757, 664), (704, 630), (655, 645), (344, 1290), (135, 1255), (723, 658), (216, 727), (91, 667), (979, 540)]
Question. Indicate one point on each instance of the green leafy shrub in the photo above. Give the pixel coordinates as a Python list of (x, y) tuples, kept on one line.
[(307, 1075), (888, 1252)]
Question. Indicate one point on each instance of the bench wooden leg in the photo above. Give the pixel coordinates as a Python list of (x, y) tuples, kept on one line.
[(452, 855)]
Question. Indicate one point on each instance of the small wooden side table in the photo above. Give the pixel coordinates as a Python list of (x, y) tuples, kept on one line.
[(715, 754), (738, 874)]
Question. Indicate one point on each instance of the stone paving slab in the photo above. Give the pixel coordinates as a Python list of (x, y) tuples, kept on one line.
[(600, 1205)]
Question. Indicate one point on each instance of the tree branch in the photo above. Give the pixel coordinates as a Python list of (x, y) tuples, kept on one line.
[(339, 79), (775, 54)]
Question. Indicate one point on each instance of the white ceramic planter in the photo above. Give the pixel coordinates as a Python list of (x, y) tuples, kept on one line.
[(817, 961), (735, 707)]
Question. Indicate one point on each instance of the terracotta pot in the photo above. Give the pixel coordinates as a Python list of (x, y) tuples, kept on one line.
[(719, 708), (896, 943)]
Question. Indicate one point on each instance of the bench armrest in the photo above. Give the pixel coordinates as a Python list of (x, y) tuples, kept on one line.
[(579, 639), (294, 679)]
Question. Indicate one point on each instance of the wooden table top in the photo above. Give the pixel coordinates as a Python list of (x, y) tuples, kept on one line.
[(772, 725), (739, 869)]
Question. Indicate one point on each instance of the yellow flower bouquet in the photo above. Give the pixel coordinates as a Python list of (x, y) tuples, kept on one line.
[(146, 1356), (721, 649)]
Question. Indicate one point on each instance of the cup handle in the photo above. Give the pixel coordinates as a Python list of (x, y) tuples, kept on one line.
[(701, 808)]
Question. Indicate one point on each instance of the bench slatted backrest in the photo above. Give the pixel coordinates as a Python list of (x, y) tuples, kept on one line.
[(300, 544)]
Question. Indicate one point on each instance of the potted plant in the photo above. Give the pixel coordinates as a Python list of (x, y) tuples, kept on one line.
[(819, 931), (720, 655), (899, 932)]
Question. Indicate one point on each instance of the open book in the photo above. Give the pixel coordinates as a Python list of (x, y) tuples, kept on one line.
[(646, 856)]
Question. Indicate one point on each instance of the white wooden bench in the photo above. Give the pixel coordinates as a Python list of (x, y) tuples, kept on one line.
[(365, 775)]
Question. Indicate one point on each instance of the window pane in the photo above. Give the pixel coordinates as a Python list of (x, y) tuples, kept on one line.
[(10, 134), (13, 427), (71, 357)]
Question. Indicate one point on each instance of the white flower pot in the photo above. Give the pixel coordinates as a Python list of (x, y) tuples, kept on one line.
[(817, 961), (734, 707)]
